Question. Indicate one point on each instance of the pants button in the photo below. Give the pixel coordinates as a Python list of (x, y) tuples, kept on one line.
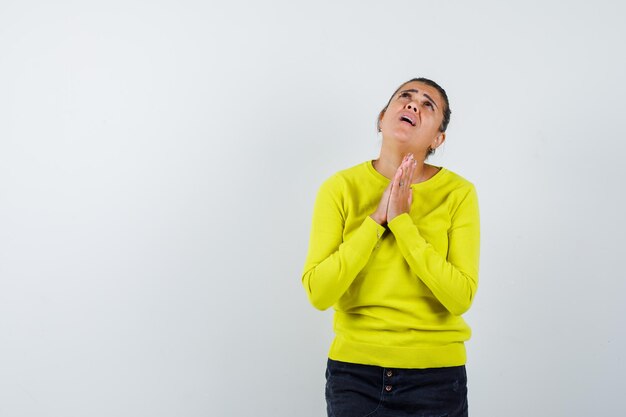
[(387, 388), (389, 373)]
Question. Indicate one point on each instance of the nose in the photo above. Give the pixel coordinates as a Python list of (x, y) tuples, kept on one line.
[(412, 107)]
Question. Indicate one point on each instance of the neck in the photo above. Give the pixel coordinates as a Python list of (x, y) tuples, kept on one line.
[(389, 161)]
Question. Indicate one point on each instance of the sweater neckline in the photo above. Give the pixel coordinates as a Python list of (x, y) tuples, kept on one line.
[(424, 184)]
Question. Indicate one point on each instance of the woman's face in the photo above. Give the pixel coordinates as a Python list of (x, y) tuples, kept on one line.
[(414, 117)]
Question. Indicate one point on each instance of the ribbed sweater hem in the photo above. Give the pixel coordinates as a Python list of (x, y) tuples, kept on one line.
[(435, 356)]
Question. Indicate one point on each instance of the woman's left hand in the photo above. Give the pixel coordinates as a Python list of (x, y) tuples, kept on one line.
[(401, 192)]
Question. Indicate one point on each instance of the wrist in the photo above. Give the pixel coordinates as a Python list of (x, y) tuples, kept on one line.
[(377, 219)]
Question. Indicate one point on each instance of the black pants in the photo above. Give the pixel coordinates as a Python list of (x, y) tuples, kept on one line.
[(354, 390)]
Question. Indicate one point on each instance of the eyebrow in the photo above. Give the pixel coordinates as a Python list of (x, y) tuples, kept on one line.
[(412, 90)]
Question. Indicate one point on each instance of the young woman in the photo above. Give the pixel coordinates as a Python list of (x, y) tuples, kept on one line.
[(394, 249)]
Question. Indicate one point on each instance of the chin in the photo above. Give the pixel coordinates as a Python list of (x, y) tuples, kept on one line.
[(402, 137)]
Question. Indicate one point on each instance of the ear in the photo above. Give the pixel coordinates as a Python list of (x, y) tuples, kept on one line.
[(380, 119), (439, 140)]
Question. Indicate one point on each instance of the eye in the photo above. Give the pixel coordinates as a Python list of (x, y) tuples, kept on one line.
[(405, 94), (429, 104)]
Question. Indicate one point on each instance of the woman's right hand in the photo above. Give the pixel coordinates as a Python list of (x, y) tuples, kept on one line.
[(380, 215)]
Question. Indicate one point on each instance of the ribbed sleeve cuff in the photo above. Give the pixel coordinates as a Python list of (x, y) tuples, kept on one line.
[(359, 247), (366, 238)]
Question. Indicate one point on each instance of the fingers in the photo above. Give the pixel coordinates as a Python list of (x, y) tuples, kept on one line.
[(380, 215), (389, 186), (401, 193), (412, 167), (397, 180), (406, 170), (398, 195)]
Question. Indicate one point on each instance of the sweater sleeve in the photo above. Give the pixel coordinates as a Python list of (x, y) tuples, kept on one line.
[(332, 263), (453, 279)]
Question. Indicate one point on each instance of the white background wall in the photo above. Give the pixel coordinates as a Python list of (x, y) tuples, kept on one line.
[(159, 162)]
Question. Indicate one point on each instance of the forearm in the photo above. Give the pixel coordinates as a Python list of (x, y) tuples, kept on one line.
[(327, 276), (454, 284)]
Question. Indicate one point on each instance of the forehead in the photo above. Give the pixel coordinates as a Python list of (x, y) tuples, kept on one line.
[(423, 88)]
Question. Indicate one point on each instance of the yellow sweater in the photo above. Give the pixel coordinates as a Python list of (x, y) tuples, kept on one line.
[(398, 292)]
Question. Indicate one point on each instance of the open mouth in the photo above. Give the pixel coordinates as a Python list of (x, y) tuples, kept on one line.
[(407, 119)]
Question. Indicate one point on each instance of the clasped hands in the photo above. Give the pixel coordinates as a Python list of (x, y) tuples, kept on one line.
[(398, 195)]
